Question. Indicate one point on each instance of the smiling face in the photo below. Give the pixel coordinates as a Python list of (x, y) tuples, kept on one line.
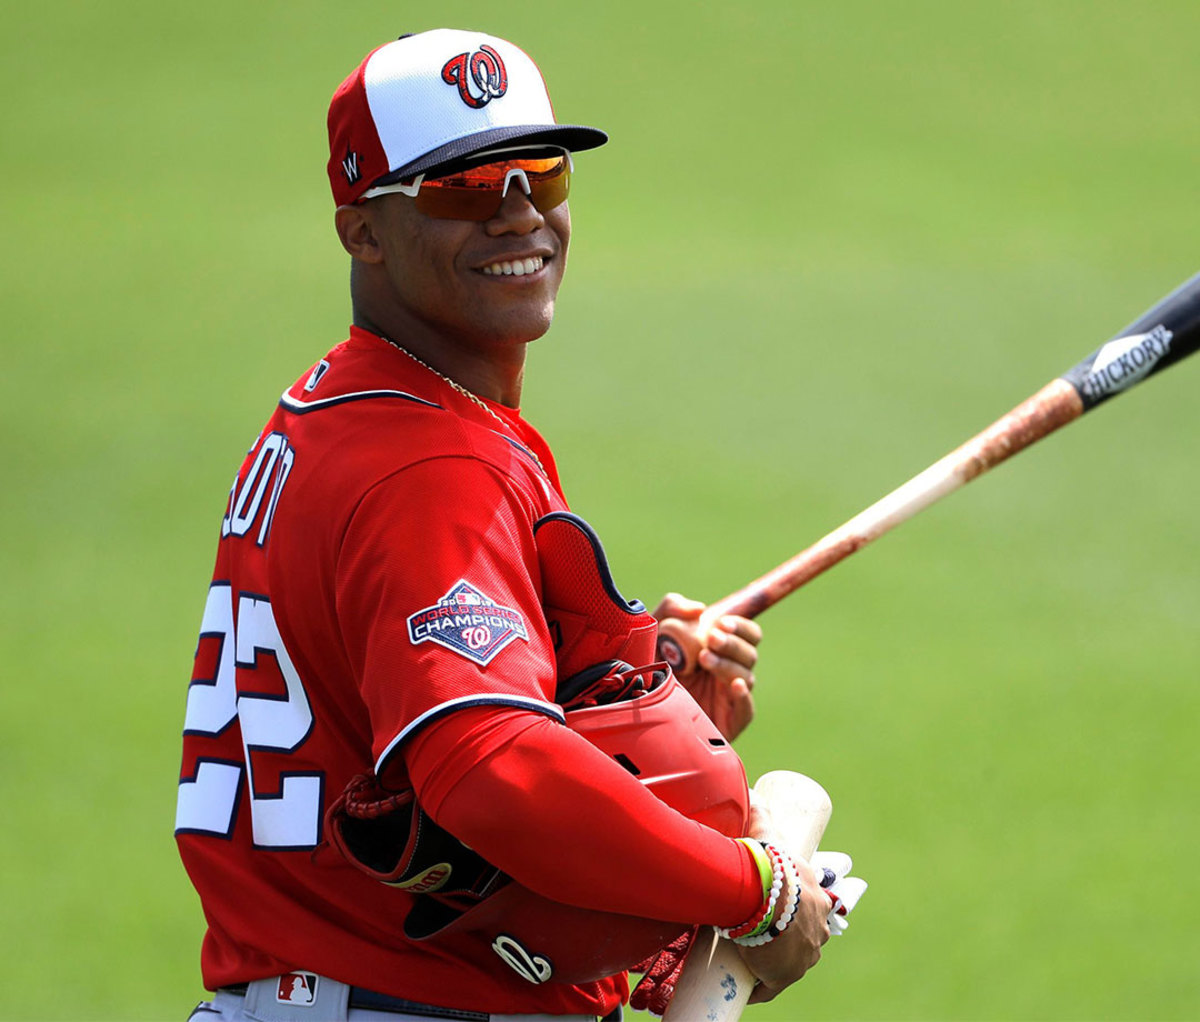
[(430, 283)]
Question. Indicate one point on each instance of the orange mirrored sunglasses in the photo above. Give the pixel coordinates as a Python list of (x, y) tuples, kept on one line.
[(476, 192)]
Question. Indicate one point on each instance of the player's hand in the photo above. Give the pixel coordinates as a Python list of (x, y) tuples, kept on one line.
[(723, 678), (789, 956)]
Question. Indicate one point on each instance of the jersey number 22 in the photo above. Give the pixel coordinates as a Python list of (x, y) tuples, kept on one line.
[(289, 816)]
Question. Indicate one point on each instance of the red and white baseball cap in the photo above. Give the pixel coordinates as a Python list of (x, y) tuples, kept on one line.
[(434, 97)]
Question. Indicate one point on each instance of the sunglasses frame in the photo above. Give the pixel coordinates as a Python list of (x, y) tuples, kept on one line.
[(478, 159)]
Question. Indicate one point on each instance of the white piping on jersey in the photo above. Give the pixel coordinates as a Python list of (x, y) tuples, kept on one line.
[(296, 405), (479, 699)]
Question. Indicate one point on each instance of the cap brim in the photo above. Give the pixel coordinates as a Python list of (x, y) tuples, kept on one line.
[(572, 137)]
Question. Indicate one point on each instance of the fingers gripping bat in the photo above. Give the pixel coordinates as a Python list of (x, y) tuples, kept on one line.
[(1167, 333)]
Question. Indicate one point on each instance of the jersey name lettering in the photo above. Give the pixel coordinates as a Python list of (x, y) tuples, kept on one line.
[(269, 472)]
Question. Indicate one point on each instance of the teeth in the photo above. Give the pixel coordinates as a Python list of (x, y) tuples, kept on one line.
[(515, 269)]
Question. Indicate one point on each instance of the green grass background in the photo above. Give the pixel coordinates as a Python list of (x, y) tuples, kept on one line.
[(827, 242)]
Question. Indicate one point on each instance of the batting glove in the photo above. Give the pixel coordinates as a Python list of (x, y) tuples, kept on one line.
[(843, 889), (656, 988)]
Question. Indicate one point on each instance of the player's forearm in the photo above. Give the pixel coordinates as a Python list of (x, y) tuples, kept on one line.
[(561, 818)]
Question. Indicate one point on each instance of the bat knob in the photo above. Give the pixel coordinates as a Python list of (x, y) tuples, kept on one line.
[(670, 651), (679, 646)]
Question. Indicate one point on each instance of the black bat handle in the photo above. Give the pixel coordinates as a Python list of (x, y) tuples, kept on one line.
[(1161, 337)]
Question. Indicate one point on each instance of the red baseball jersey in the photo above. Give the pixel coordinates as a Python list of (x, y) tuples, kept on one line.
[(377, 574), (376, 569)]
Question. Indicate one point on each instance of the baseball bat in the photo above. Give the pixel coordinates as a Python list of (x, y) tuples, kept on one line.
[(715, 984), (1165, 334)]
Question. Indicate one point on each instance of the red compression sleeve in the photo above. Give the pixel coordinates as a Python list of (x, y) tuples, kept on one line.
[(556, 814)]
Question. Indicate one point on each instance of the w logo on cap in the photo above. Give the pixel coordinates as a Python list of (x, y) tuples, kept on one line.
[(484, 68)]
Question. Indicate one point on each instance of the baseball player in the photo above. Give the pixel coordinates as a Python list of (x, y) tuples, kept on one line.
[(430, 766)]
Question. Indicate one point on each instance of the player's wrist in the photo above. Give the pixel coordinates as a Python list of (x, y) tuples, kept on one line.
[(781, 894), (786, 906)]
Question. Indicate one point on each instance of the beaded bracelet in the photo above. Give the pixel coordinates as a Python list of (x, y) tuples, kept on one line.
[(760, 934), (789, 910), (759, 923)]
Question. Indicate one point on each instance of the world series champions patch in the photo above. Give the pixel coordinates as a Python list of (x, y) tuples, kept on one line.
[(469, 623)]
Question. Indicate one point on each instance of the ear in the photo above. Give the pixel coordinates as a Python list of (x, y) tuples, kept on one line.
[(356, 231)]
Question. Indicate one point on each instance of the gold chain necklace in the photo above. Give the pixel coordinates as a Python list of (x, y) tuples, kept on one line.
[(470, 395)]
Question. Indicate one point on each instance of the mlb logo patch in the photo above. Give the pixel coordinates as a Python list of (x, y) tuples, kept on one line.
[(468, 622), (297, 988)]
